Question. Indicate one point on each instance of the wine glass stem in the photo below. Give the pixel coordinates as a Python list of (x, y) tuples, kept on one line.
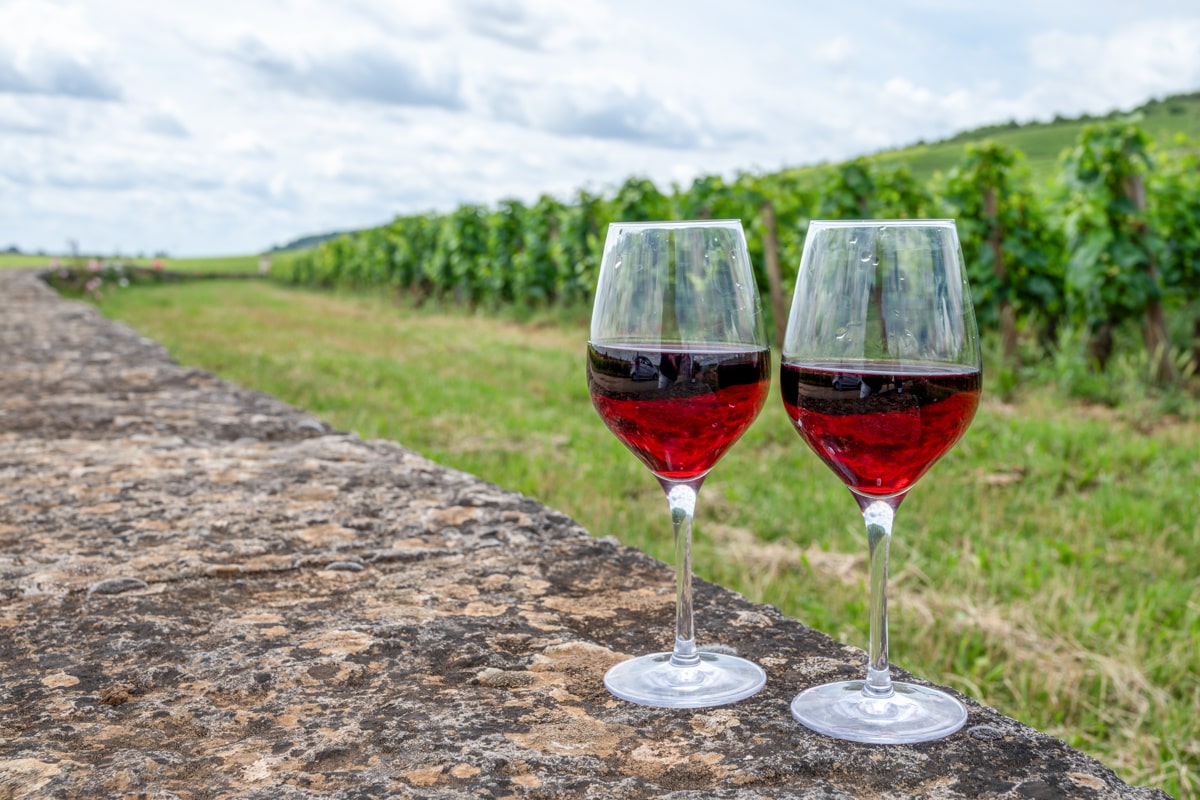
[(878, 515), (681, 497)]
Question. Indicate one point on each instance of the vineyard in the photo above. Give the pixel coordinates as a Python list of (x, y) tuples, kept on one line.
[(1050, 573), (1108, 243)]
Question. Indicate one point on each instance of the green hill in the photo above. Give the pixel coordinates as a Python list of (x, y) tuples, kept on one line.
[(1043, 142), (305, 242)]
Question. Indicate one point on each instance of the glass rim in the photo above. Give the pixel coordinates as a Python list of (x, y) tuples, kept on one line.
[(882, 223), (679, 223)]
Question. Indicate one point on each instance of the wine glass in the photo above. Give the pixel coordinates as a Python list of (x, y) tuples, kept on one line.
[(881, 375), (678, 368)]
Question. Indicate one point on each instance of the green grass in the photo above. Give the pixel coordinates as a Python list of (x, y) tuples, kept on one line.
[(9, 260), (218, 265), (1048, 566)]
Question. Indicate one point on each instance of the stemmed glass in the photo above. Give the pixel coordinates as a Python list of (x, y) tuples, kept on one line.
[(678, 368), (881, 375)]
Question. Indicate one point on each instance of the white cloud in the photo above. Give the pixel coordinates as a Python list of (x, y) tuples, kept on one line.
[(837, 52), (164, 123), (372, 74), (329, 164), (31, 25), (535, 25), (1090, 72), (245, 143), (50, 73), (49, 49), (601, 110), (512, 23), (17, 115)]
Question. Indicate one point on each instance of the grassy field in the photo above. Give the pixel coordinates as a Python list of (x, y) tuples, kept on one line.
[(280, 262), (1048, 566)]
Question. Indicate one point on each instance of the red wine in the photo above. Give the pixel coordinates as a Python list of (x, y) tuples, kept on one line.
[(678, 408), (880, 426)]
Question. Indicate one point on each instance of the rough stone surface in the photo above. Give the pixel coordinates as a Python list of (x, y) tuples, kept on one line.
[(206, 593)]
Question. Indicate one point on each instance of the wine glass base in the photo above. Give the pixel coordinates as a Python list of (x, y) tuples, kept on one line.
[(911, 714), (652, 680)]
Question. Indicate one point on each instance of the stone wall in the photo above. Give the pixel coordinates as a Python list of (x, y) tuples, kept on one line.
[(206, 593)]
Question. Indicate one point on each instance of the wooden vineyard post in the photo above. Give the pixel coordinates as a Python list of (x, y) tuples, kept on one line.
[(1008, 322), (774, 276), (1154, 331)]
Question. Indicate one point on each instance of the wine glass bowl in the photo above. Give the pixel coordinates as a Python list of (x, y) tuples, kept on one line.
[(881, 375), (678, 369)]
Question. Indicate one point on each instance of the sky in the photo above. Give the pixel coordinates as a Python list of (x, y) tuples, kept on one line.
[(230, 126)]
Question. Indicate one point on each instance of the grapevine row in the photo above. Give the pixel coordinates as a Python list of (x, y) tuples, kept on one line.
[(1112, 239)]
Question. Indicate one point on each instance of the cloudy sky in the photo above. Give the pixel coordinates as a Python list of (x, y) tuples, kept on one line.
[(228, 126)]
